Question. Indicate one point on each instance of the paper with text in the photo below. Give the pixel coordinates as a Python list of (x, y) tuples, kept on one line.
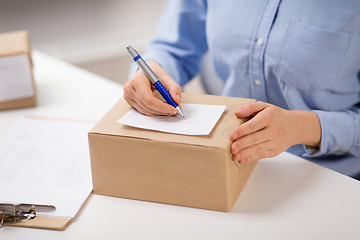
[(199, 119), (15, 78), (46, 162)]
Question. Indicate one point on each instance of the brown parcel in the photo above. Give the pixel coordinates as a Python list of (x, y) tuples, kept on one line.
[(193, 171), (15, 43)]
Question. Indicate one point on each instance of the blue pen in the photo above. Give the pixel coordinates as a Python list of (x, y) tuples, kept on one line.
[(153, 78)]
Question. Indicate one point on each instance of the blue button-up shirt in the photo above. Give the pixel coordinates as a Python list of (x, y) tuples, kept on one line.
[(296, 54)]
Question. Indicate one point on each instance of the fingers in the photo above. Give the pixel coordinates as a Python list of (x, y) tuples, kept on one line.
[(139, 92), (252, 125), (143, 95), (145, 110), (255, 124), (250, 140), (259, 137), (250, 109), (254, 153), (173, 88), (254, 147)]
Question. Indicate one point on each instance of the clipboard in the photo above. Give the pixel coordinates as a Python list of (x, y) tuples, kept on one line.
[(46, 222), (25, 215), (50, 223)]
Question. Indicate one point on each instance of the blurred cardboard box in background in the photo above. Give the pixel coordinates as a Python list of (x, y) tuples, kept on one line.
[(17, 86), (193, 171)]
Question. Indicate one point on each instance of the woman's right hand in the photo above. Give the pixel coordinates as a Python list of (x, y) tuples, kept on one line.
[(140, 93)]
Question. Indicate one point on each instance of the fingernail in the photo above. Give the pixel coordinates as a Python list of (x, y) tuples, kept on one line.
[(244, 160), (178, 95), (236, 136)]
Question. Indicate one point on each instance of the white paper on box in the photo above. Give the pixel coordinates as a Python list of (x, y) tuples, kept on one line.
[(15, 78), (199, 119)]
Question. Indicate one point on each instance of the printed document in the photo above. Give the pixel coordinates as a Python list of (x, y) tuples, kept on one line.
[(199, 119), (46, 162)]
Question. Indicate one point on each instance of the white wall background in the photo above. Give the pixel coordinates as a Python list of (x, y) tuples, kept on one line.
[(91, 34)]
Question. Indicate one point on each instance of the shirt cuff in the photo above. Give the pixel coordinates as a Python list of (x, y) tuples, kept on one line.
[(337, 133), (311, 149)]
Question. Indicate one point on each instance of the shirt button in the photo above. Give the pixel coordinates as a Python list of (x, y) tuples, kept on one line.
[(259, 41), (257, 82)]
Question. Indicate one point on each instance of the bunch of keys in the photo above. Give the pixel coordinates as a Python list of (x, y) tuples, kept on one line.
[(13, 213)]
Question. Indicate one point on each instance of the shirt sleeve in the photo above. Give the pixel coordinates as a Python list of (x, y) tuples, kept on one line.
[(180, 41), (340, 133)]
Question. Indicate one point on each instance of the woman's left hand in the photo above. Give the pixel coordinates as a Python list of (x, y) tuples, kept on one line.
[(271, 131)]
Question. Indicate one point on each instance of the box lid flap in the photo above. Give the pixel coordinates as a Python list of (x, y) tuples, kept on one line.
[(219, 136)]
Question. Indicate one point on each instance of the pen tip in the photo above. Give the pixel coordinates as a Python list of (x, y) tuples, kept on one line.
[(128, 47), (181, 114)]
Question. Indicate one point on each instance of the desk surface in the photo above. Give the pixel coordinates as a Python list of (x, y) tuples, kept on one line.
[(286, 197)]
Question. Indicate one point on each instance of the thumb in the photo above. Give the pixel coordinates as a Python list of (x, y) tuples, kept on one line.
[(175, 92), (168, 82), (172, 87)]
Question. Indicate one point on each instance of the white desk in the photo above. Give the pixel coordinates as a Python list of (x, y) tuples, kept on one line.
[(285, 198)]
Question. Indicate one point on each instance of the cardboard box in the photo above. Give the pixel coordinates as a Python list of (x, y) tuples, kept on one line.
[(193, 171), (17, 87)]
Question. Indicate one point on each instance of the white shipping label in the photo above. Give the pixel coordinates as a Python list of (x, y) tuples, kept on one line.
[(15, 78)]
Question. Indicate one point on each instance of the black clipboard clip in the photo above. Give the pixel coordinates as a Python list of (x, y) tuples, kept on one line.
[(13, 213)]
